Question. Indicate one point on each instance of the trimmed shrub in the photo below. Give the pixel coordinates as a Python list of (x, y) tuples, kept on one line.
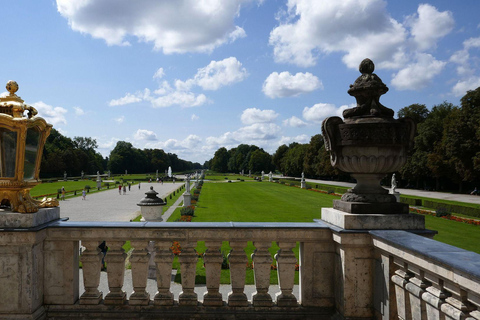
[(187, 211), (442, 212)]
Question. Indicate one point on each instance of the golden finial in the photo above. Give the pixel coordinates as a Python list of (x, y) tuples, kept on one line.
[(12, 87)]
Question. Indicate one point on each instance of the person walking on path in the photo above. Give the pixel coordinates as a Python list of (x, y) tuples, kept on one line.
[(139, 186), (63, 193), (129, 185), (120, 189), (84, 194), (124, 189)]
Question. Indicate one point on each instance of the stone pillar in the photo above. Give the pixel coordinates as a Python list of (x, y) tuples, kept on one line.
[(213, 266), (187, 199), (139, 260), (238, 264), (188, 264), (21, 275), (262, 261), (354, 275), (115, 258), (61, 274), (286, 274), (163, 261)]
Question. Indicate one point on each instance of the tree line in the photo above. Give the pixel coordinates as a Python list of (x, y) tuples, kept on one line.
[(63, 154), (445, 156)]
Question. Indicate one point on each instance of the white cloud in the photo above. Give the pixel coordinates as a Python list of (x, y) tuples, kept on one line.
[(189, 142), (258, 131), (159, 74), (279, 85), (172, 26), (359, 28), (225, 139), (120, 119), (180, 98), (79, 111), (294, 122), (212, 77), (466, 68), (320, 111), (254, 115), (418, 75), (53, 115), (303, 138), (143, 134), (194, 117), (127, 99), (462, 86), (356, 29), (220, 73), (429, 25)]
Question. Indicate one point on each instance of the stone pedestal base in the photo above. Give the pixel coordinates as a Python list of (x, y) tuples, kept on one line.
[(187, 199), (396, 195), (371, 208), (10, 219), (303, 185), (352, 221)]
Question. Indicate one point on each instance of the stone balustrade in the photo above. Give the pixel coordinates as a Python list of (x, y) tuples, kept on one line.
[(424, 279), (344, 274)]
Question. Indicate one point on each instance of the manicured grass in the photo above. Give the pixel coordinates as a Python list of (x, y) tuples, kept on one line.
[(52, 187), (462, 235), (213, 176), (259, 202), (452, 202)]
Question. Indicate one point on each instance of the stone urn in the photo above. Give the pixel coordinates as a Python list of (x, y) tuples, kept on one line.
[(151, 207), (369, 144)]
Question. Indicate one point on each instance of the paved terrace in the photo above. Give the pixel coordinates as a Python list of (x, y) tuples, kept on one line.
[(109, 205)]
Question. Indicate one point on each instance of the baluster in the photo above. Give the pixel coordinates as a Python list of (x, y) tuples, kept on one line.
[(188, 266), (416, 287), (91, 265), (115, 259), (261, 267), (286, 261), (402, 298), (238, 264), (213, 266), (139, 259), (163, 261)]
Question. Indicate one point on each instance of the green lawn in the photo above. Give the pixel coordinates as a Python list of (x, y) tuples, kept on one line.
[(52, 187), (259, 202)]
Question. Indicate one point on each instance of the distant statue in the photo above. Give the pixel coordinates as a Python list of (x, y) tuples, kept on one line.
[(303, 176), (394, 183), (65, 175), (98, 175), (83, 174), (109, 173)]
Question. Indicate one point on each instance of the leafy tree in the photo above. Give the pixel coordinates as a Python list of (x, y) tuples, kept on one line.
[(260, 161), (219, 161), (294, 159), (417, 112), (278, 158)]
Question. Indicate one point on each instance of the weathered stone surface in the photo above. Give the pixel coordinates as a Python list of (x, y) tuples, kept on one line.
[(351, 221), (12, 220)]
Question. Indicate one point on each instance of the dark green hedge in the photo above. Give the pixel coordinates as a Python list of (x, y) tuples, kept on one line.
[(452, 208)]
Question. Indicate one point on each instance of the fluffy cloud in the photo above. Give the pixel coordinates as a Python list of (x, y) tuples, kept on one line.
[(258, 131), (284, 84), (361, 28), (418, 75), (320, 111), (356, 29), (172, 26), (303, 138), (159, 74), (294, 122), (254, 115), (53, 115), (429, 25), (225, 139), (462, 86), (127, 99), (212, 77), (194, 117), (143, 134), (188, 143), (468, 74)]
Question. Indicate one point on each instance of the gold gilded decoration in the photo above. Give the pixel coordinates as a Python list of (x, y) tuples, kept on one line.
[(22, 138)]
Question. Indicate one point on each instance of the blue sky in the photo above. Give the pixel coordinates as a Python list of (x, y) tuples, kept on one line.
[(191, 76)]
